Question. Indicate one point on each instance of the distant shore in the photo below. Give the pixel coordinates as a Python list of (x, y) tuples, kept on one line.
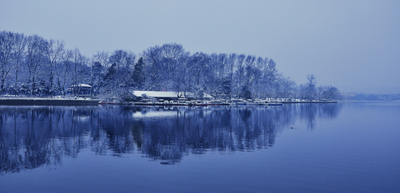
[(309, 102)]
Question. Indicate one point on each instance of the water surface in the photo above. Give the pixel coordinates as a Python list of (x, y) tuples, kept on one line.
[(344, 147)]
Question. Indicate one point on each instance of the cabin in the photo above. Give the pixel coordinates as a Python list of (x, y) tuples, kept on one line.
[(80, 90), (169, 95)]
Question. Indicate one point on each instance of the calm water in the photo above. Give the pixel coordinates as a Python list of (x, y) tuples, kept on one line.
[(344, 147)]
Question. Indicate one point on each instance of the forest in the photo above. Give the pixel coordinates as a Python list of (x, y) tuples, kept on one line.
[(31, 66)]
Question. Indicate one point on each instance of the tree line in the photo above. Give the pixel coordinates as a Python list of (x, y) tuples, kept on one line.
[(35, 67)]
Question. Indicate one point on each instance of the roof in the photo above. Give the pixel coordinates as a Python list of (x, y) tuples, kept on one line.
[(81, 85), (166, 94)]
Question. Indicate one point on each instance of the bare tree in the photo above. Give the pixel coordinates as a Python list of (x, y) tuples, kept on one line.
[(124, 62), (101, 63), (102, 58), (35, 60), (63, 70), (327, 93), (239, 74), (53, 51), (18, 57), (230, 67), (288, 86), (311, 87), (79, 61), (7, 47), (12, 47)]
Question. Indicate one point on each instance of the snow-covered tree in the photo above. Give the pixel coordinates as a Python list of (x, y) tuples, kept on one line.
[(35, 66), (53, 51), (35, 60)]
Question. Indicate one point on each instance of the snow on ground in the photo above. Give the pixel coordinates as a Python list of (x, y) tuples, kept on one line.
[(170, 94)]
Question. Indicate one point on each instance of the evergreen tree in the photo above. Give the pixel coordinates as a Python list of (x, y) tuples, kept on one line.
[(138, 75), (111, 72), (226, 87), (96, 77)]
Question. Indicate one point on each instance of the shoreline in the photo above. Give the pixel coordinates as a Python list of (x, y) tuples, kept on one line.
[(49, 101), (308, 102), (95, 102)]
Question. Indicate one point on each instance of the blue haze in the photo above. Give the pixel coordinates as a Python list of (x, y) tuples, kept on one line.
[(353, 45)]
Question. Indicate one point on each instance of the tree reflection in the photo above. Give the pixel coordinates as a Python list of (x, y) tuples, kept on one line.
[(31, 137), (310, 111)]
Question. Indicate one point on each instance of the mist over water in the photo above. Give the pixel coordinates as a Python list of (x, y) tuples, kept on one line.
[(336, 142)]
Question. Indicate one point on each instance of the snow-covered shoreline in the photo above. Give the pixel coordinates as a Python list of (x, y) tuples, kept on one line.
[(48, 101)]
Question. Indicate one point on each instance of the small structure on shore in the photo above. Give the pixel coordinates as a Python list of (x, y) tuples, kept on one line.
[(80, 90)]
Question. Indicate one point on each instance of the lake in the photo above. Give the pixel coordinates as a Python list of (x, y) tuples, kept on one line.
[(343, 147)]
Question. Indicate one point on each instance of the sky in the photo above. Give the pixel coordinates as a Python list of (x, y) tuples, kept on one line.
[(353, 45)]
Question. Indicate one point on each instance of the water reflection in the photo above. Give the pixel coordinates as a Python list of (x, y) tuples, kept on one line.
[(34, 136), (309, 112)]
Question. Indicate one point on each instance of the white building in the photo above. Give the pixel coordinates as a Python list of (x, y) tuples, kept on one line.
[(168, 95), (80, 90)]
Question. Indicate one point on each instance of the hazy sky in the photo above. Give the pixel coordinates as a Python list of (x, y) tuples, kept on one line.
[(353, 45)]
